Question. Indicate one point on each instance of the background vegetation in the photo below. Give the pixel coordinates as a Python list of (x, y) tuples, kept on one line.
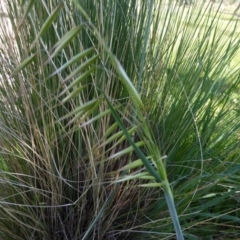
[(110, 108)]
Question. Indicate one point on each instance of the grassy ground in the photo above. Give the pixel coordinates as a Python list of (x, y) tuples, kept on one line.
[(227, 22)]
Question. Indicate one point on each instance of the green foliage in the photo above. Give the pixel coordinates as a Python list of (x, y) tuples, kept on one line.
[(117, 121)]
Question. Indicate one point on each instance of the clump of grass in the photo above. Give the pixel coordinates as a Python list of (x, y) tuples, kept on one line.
[(92, 97)]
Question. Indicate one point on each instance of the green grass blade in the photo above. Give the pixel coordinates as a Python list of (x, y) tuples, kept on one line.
[(140, 154), (23, 64), (48, 22)]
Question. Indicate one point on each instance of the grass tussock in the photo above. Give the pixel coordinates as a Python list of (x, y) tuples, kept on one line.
[(118, 120)]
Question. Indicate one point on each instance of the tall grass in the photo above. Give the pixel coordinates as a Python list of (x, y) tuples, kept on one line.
[(117, 121)]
